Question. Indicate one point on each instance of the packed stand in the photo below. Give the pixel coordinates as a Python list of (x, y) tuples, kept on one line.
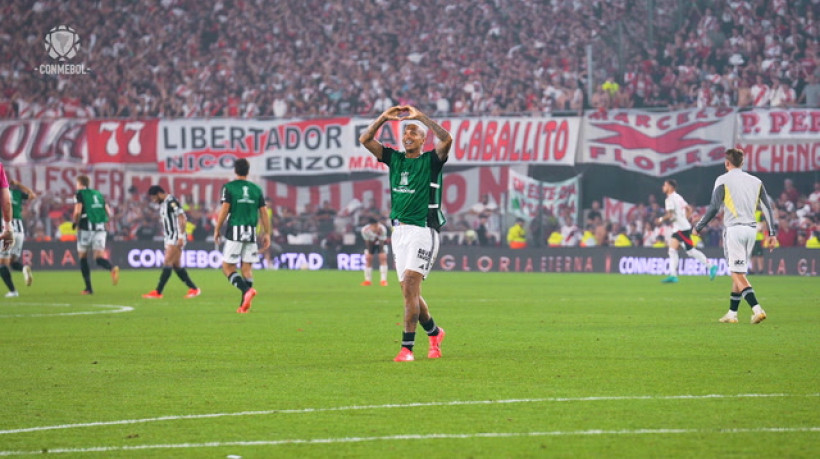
[(254, 58)]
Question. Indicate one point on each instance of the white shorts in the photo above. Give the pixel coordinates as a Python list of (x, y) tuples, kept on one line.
[(738, 242), (414, 249), (16, 248), (173, 241), (234, 251), (88, 239)]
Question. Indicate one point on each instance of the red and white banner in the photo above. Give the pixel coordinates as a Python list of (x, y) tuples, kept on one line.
[(531, 141), (526, 195), (780, 140), (122, 141), (312, 147), (786, 125), (331, 146), (41, 142), (657, 144), (59, 180), (460, 191)]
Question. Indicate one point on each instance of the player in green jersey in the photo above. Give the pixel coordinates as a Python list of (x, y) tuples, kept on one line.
[(11, 256), (415, 193), (243, 207), (91, 214)]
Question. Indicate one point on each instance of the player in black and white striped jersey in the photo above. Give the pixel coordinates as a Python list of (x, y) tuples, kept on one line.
[(173, 220)]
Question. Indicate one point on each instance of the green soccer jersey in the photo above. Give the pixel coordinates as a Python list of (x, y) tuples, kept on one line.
[(415, 188), (17, 198), (245, 199), (93, 215)]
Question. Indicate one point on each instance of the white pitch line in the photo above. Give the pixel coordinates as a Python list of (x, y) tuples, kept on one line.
[(392, 406), (439, 436), (116, 309)]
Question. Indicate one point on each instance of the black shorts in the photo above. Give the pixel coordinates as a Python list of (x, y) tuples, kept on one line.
[(757, 250), (375, 247), (685, 237)]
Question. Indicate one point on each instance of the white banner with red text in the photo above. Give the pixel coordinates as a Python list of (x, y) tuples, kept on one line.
[(780, 140), (657, 144), (461, 190), (330, 146)]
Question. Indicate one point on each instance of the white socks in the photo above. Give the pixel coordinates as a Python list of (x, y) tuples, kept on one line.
[(674, 258)]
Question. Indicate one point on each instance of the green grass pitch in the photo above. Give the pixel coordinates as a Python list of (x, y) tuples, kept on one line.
[(535, 365)]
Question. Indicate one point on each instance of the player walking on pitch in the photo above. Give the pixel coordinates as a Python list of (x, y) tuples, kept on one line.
[(375, 242), (7, 238), (10, 256), (739, 193), (243, 206), (415, 191), (677, 215), (91, 214), (173, 221)]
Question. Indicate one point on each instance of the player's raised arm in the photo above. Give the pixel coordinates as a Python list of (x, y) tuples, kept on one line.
[(368, 137), (445, 140), (24, 189)]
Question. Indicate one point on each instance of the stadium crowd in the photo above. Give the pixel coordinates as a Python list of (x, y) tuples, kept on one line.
[(254, 58)]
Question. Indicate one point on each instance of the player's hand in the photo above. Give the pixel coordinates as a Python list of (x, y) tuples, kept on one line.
[(412, 112), (265, 245), (393, 113), (771, 242), (694, 231), (217, 238), (7, 239), (180, 242)]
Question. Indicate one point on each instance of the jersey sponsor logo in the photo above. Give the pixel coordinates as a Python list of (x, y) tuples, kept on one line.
[(96, 204), (425, 255), (246, 197), (404, 181)]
